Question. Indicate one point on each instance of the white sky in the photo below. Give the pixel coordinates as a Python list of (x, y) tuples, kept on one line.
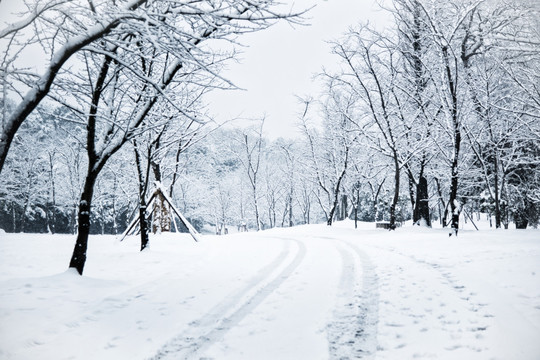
[(280, 62)]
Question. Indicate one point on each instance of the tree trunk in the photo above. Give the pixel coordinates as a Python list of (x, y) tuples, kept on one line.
[(421, 209), (376, 208), (356, 205), (13, 217), (337, 187), (273, 217), (291, 209), (143, 223), (454, 206), (256, 206), (343, 207), (496, 191), (143, 183), (442, 217), (72, 222), (156, 169), (51, 220), (333, 209), (24, 210), (452, 87), (413, 197), (396, 194), (78, 258)]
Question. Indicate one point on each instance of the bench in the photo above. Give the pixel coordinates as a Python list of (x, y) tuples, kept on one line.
[(385, 225)]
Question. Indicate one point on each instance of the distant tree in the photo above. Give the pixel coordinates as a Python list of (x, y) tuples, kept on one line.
[(289, 173), (329, 152), (251, 150)]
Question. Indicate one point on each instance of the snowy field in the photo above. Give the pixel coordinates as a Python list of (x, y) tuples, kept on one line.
[(310, 292)]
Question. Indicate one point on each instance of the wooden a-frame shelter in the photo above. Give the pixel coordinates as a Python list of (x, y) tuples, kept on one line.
[(159, 195)]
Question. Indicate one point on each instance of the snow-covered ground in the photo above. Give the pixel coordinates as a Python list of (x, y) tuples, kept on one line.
[(310, 292)]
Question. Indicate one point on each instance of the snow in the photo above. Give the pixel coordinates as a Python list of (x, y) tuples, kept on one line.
[(309, 292)]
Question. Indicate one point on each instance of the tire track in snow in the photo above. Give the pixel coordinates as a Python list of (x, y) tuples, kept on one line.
[(218, 321), (353, 332)]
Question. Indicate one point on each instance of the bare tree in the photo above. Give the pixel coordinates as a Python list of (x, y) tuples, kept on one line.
[(68, 27), (128, 101), (290, 174), (452, 43), (417, 110), (369, 75), (251, 144), (330, 151)]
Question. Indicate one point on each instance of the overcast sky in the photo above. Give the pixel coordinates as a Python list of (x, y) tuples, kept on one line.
[(280, 62), (277, 63)]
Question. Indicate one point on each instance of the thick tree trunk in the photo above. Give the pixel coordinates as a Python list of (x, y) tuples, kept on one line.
[(78, 258), (333, 209), (421, 209), (344, 206), (334, 204)]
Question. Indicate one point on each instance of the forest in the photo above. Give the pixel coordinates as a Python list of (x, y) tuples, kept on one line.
[(435, 117)]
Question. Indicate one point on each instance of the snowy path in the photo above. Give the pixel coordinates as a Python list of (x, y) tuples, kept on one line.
[(353, 329), (310, 292), (210, 328)]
